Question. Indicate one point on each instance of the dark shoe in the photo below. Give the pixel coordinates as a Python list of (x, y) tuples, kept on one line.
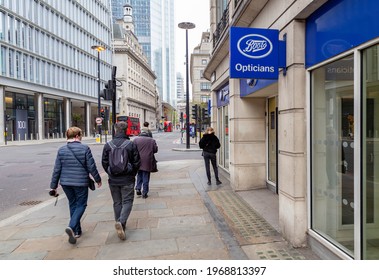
[(138, 192), (218, 182), (71, 237), (120, 231), (209, 183), (145, 196)]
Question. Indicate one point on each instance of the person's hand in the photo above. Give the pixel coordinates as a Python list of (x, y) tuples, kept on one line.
[(53, 192)]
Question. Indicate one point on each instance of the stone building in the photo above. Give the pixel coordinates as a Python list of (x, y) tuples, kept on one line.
[(137, 94)]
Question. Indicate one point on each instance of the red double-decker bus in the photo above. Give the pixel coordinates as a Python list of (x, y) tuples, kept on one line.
[(134, 127)]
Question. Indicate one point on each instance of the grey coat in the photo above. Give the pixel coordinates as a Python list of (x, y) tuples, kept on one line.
[(68, 171)]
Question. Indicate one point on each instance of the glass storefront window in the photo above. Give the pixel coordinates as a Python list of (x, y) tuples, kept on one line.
[(370, 154), (332, 152), (223, 134), (53, 118)]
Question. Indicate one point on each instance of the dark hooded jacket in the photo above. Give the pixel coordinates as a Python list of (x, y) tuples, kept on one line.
[(209, 143)]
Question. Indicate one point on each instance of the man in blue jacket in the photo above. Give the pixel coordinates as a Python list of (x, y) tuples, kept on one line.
[(122, 184)]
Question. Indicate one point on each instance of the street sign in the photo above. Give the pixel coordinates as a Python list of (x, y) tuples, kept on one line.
[(254, 53), (99, 120)]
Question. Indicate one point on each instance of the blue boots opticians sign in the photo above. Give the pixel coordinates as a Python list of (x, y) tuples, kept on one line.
[(254, 53)]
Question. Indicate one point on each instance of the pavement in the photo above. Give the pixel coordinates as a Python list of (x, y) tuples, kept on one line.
[(182, 219)]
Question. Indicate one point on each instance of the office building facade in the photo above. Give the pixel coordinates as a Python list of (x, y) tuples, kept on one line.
[(49, 69), (309, 135)]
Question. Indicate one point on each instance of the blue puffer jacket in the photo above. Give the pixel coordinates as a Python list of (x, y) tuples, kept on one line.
[(68, 171)]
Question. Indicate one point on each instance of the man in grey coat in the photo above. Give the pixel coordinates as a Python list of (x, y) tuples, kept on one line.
[(147, 147)]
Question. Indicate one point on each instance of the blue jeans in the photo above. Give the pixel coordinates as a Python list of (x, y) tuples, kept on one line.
[(123, 197), (77, 201), (143, 179)]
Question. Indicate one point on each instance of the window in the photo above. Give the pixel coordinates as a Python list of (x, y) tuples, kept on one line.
[(2, 25), (3, 61), (18, 65), (11, 63), (332, 149), (10, 29), (205, 86), (370, 153)]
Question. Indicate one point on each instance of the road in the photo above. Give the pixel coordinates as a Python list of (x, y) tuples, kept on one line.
[(25, 170)]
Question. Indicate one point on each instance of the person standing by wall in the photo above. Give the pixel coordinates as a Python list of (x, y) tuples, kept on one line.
[(122, 184), (73, 164), (147, 147), (210, 144)]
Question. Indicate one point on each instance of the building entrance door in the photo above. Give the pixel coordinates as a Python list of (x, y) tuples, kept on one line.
[(272, 143)]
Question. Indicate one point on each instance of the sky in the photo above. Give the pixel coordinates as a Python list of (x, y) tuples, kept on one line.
[(197, 12)]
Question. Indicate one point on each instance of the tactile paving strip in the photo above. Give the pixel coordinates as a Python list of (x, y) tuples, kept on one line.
[(261, 241), (246, 223)]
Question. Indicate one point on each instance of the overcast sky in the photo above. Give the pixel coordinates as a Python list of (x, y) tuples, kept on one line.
[(197, 12)]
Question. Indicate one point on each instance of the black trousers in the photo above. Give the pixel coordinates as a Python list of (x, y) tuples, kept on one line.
[(209, 157)]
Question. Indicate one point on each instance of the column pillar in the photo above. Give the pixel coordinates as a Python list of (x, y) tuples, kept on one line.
[(88, 119), (292, 144), (2, 113), (40, 117), (67, 107)]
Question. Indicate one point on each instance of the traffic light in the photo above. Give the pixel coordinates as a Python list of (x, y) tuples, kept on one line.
[(204, 114), (109, 90), (194, 112), (181, 116), (102, 113)]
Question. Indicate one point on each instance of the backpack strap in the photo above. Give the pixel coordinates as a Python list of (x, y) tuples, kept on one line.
[(123, 145)]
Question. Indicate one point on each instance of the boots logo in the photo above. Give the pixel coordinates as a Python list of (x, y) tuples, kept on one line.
[(255, 46)]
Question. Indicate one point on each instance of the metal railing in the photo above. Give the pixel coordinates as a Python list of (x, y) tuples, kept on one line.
[(221, 25)]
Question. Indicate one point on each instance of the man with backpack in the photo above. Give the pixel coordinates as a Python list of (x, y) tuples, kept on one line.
[(121, 161)]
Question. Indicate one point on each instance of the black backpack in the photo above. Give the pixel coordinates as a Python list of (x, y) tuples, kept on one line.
[(118, 158)]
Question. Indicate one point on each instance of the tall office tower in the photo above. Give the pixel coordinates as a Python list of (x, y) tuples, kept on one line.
[(49, 66), (180, 91), (154, 22), (117, 9)]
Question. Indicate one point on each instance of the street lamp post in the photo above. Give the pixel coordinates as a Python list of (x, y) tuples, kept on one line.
[(186, 26), (98, 49)]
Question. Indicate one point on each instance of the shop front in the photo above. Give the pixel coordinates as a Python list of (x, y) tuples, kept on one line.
[(223, 125), (343, 72), (34, 116)]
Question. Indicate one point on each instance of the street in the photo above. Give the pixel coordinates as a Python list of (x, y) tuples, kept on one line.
[(26, 169), (183, 218)]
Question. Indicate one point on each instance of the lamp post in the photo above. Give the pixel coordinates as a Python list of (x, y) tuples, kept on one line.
[(98, 49), (186, 26)]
